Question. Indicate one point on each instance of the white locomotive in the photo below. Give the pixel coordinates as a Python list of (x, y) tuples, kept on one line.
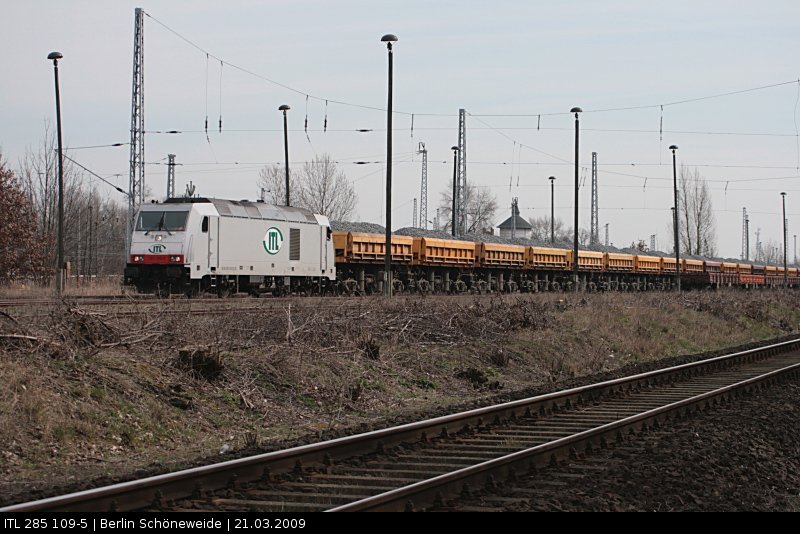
[(191, 245)]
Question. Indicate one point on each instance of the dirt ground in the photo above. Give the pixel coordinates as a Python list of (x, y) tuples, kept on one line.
[(95, 395), (742, 457)]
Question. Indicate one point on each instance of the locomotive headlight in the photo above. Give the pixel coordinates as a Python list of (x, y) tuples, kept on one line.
[(159, 237), (138, 258)]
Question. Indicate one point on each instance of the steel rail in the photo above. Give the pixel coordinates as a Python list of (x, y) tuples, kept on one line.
[(434, 488), (144, 492)]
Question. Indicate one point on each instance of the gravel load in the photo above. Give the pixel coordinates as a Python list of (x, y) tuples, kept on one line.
[(357, 227), (419, 232), (373, 228)]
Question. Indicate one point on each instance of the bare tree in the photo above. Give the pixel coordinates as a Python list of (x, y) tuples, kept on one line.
[(21, 255), (272, 179), (481, 209), (771, 252), (320, 187), (323, 188), (696, 222), (541, 229), (94, 227)]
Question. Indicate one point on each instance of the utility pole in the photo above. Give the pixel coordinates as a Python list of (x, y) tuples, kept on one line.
[(675, 216), (136, 182), (514, 212), (744, 233), (785, 236), (606, 234), (652, 242), (461, 188), (595, 229), (414, 216), (758, 245), (423, 195), (171, 176), (436, 220), (747, 235)]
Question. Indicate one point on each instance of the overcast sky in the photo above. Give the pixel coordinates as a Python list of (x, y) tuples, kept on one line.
[(491, 58)]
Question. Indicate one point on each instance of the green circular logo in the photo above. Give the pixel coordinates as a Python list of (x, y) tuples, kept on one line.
[(273, 240)]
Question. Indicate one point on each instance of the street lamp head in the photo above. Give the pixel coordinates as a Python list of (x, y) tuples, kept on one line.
[(673, 147), (55, 56), (576, 110), (783, 194), (284, 108), (389, 38), (454, 148), (552, 178)]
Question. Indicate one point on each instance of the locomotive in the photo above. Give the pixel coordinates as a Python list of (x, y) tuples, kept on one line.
[(195, 245)]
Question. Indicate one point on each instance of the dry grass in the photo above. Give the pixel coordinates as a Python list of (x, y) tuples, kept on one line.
[(75, 287), (86, 388)]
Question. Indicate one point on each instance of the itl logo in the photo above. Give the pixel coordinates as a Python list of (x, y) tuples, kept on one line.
[(157, 249), (273, 240)]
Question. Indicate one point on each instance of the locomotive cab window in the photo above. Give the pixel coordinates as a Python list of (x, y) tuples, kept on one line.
[(156, 221), (204, 226)]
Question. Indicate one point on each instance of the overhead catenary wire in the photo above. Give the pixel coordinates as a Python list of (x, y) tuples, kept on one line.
[(478, 128), (402, 112)]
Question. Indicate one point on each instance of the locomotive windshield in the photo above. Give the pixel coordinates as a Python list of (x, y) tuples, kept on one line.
[(170, 221)]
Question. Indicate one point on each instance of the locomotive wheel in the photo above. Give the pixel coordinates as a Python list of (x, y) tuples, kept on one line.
[(423, 286), (555, 286)]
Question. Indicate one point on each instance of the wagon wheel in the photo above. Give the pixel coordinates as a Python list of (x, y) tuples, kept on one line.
[(592, 287), (351, 286), (398, 286), (555, 286), (460, 286), (423, 286)]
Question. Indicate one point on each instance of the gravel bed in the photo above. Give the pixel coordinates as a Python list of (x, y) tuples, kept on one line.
[(740, 457)]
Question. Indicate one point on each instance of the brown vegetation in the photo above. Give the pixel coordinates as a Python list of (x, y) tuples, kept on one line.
[(91, 392)]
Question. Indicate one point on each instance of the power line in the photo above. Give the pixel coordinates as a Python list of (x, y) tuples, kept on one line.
[(283, 85), (486, 128), (376, 108), (97, 176), (647, 106)]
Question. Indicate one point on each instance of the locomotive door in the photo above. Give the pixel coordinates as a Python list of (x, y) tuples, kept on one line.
[(213, 243)]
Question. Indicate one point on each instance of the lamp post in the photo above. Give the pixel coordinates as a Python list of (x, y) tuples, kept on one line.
[(455, 188), (552, 209), (576, 110), (285, 108), (387, 275), (675, 220), (55, 56), (785, 272)]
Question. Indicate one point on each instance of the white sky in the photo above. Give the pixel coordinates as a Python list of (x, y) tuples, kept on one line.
[(495, 58)]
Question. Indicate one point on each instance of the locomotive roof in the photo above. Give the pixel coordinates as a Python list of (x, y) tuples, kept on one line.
[(251, 210)]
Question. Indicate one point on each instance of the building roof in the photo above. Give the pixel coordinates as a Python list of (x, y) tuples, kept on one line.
[(521, 224)]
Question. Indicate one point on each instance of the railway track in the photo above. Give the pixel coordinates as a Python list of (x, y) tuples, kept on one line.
[(423, 464)]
